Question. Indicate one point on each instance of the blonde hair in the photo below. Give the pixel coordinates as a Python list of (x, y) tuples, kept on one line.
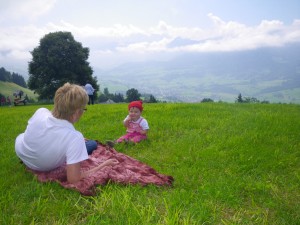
[(68, 99)]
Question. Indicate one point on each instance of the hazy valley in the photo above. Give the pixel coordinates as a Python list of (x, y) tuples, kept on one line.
[(271, 74)]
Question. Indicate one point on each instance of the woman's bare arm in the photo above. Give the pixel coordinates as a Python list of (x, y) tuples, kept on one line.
[(74, 174)]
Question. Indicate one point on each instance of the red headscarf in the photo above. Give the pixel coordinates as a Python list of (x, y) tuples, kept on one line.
[(137, 104)]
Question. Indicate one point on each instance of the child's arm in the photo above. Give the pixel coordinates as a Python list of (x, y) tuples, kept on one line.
[(143, 131), (126, 121), (145, 127)]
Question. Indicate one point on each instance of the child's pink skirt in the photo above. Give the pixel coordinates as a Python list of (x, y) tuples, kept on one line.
[(134, 137)]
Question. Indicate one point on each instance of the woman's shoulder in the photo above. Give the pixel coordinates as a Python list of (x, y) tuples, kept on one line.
[(43, 110)]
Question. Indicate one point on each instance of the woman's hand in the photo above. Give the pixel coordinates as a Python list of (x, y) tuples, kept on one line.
[(110, 162)]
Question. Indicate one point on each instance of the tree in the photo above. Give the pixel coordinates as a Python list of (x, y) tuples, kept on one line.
[(132, 95), (207, 100), (106, 92), (152, 99), (14, 77), (102, 98), (250, 100), (118, 97), (239, 99), (19, 80), (4, 75), (59, 59)]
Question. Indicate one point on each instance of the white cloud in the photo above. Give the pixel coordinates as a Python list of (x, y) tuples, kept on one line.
[(122, 42), (224, 36), (29, 9), (19, 38), (19, 55), (164, 29), (117, 31), (292, 33), (143, 47)]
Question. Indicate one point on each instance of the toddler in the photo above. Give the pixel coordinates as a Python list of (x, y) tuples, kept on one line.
[(137, 126)]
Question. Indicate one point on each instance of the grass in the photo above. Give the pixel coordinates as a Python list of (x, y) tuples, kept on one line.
[(232, 164)]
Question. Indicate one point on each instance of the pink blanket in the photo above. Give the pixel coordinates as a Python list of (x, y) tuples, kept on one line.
[(128, 171)]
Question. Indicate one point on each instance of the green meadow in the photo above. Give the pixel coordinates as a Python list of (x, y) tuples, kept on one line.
[(232, 164)]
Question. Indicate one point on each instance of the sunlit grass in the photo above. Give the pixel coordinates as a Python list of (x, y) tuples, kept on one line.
[(232, 164)]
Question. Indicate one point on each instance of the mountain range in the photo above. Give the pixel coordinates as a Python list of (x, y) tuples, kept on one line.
[(268, 74)]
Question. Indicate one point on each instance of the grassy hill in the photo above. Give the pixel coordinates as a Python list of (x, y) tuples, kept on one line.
[(7, 89), (232, 164)]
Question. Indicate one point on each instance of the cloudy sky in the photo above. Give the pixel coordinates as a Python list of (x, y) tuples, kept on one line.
[(119, 31)]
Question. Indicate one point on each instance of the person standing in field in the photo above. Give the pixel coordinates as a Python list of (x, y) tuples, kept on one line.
[(8, 100), (90, 91), (3, 100), (136, 126), (50, 139)]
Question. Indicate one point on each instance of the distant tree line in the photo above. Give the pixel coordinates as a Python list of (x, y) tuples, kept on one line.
[(6, 76), (105, 96), (241, 99), (131, 95), (207, 100)]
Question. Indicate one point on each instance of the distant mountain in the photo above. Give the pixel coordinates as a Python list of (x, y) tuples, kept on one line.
[(271, 74)]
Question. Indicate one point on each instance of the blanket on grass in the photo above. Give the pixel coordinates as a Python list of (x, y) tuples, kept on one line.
[(128, 171)]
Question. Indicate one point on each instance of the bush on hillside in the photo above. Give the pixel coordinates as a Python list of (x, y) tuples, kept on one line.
[(207, 100)]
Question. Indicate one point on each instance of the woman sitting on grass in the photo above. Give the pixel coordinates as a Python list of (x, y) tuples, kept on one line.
[(50, 139)]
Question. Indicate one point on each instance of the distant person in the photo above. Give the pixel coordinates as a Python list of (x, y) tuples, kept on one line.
[(136, 126), (20, 94), (50, 139), (3, 100), (90, 91), (17, 95), (8, 100)]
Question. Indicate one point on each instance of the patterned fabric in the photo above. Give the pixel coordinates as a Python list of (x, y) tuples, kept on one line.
[(128, 171)]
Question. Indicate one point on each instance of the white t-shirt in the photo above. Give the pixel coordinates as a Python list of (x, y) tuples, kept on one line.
[(48, 142), (89, 89)]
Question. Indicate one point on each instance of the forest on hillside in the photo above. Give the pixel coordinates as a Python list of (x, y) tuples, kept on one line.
[(7, 76)]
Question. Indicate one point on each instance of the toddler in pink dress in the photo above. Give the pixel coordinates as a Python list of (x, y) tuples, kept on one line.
[(137, 126)]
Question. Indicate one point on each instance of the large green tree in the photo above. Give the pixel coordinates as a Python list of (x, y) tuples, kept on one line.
[(58, 59), (133, 95)]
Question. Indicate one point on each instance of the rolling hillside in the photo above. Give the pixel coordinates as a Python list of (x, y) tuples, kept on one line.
[(7, 89), (271, 74)]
